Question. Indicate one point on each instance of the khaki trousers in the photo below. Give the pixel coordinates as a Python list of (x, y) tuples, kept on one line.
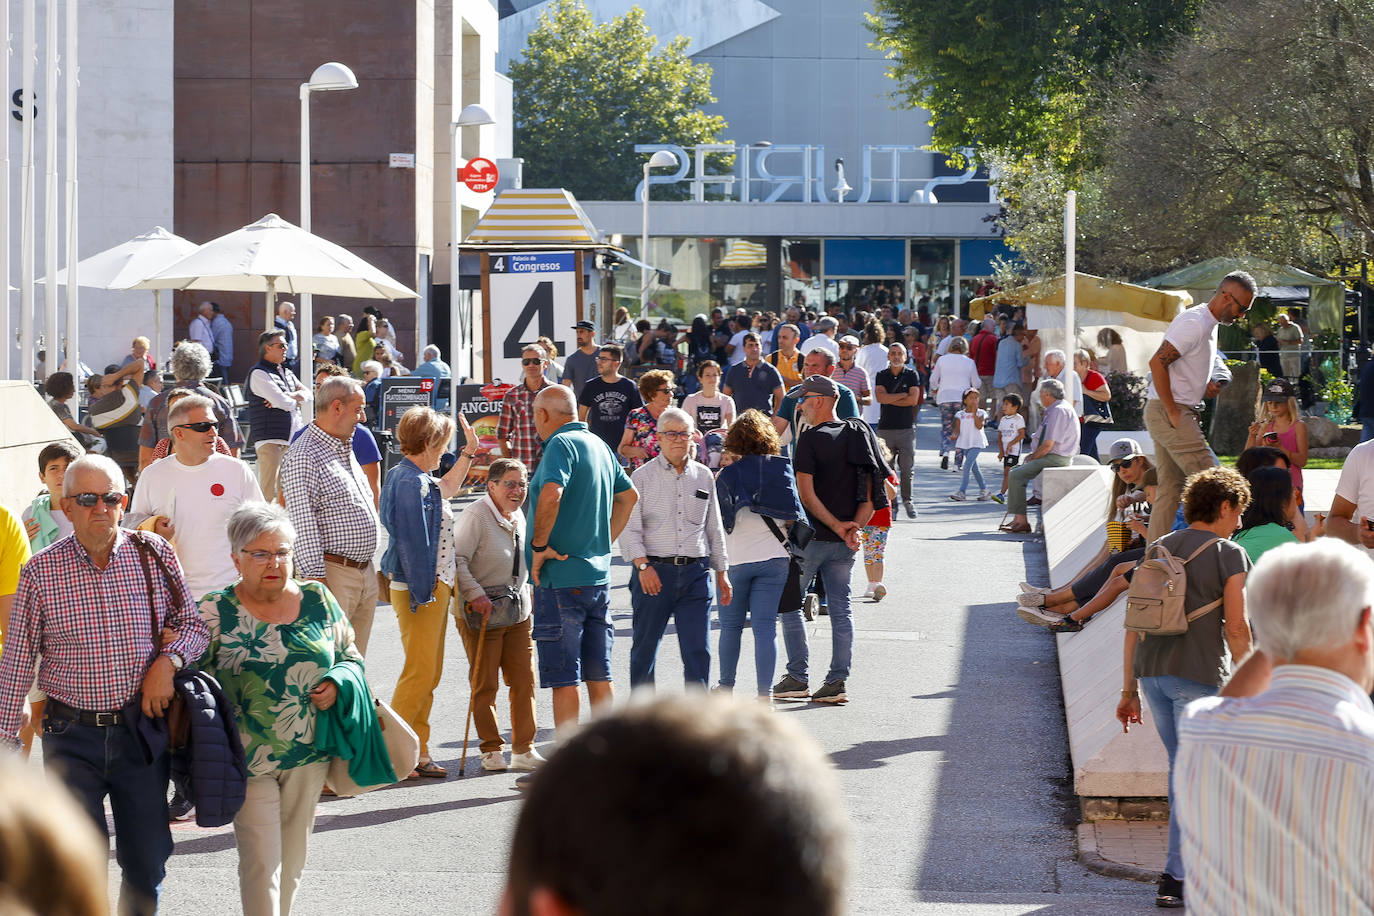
[(508, 650), (269, 462), (356, 592), (271, 831), (422, 638), (1179, 452)]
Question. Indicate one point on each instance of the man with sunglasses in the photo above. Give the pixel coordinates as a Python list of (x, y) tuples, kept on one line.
[(1186, 370), (92, 605), (188, 496), (274, 398), (516, 432)]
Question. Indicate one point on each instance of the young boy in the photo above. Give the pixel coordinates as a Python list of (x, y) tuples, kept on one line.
[(1011, 432), (44, 522)]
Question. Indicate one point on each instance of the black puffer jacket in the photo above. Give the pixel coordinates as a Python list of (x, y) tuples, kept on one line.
[(212, 764)]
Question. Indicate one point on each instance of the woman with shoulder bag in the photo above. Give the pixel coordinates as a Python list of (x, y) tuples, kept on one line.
[(758, 500), (419, 561), (491, 574)]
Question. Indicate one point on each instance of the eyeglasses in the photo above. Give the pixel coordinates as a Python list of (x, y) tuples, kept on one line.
[(204, 426), (87, 500), (531, 362), (1123, 463), (678, 434), (262, 557), (1243, 306), (514, 484), (607, 359)]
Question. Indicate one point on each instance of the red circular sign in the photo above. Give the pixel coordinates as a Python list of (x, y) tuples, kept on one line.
[(480, 175), (217, 489)]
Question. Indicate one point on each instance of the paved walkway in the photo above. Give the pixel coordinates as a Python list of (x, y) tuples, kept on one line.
[(951, 755)]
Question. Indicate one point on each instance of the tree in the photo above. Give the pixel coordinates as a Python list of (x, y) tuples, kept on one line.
[(585, 94), (1015, 76)]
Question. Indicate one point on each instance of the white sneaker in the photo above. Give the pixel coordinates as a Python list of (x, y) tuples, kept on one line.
[(1035, 588), (868, 592), (1032, 599), (526, 762), (494, 762), (1038, 616), (957, 496), (984, 495)]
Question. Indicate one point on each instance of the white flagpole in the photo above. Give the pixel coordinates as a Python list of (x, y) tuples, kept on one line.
[(73, 314), (51, 203), (29, 51), (1070, 281)]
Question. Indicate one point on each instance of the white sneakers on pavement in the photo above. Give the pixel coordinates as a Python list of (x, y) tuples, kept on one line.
[(494, 762), (525, 763)]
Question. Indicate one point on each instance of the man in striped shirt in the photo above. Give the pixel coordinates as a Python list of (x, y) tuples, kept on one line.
[(1275, 789)]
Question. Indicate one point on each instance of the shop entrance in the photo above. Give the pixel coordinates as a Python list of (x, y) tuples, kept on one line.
[(867, 293)]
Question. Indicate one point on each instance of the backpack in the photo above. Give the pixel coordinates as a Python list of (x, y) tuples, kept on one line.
[(1159, 587)]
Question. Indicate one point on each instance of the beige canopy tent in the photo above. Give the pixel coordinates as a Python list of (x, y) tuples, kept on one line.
[(1097, 301)]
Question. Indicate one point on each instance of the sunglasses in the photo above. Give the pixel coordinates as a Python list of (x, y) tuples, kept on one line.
[(87, 500), (1123, 463), (531, 362), (204, 426)]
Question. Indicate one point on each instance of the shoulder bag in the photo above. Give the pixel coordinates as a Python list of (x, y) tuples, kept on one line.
[(792, 595), (178, 719), (505, 600)]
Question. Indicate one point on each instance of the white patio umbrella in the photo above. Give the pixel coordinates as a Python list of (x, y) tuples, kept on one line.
[(275, 256), (128, 263)]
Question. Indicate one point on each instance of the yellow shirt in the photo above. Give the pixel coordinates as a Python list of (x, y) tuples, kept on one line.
[(14, 553)]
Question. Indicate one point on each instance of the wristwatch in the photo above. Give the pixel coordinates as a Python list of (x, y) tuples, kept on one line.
[(642, 566), (177, 661)]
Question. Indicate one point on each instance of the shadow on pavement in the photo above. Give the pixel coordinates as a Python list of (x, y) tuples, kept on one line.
[(868, 755)]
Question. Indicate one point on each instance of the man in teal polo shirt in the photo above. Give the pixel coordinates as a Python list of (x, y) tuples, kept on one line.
[(788, 418), (580, 499)]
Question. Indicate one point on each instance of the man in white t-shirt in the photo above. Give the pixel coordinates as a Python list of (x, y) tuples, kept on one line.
[(823, 338), (736, 346), (1352, 508), (1185, 370), (188, 496)]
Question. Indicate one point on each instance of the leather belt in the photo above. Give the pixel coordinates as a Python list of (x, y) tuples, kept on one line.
[(344, 561), (674, 561), (61, 710)]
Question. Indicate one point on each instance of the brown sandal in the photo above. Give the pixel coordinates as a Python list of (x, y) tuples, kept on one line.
[(1014, 528)]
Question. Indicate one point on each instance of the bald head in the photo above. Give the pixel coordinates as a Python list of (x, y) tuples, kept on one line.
[(553, 406)]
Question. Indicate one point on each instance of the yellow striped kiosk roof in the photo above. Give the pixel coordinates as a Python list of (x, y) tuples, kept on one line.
[(534, 215)]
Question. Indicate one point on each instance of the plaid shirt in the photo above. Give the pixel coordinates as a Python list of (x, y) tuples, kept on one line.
[(92, 627), (517, 424), (329, 500)]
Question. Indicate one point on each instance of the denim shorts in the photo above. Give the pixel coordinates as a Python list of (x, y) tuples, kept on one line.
[(572, 635)]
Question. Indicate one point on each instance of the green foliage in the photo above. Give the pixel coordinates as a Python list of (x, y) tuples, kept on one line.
[(1339, 396), (585, 94), (1128, 400), (1012, 75)]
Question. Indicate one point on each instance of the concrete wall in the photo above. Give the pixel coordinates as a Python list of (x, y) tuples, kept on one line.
[(124, 143)]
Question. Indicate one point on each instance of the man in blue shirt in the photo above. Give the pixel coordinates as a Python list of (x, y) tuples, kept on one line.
[(434, 367), (580, 499), (754, 384), (1006, 377)]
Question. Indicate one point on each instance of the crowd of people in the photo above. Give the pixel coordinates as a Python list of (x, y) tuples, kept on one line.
[(743, 465)]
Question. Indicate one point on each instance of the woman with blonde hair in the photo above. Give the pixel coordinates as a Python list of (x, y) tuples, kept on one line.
[(553, 369), (1280, 427), (419, 561), (640, 442)]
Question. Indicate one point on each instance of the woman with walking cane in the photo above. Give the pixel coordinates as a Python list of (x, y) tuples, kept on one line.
[(494, 615)]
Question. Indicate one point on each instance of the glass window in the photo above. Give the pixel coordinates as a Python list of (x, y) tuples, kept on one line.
[(932, 271)]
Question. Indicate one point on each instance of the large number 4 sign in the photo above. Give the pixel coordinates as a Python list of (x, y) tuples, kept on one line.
[(527, 295), (539, 305)]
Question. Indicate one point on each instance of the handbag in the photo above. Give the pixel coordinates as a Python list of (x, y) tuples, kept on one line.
[(792, 596), (506, 604), (178, 719), (1097, 411), (402, 746)]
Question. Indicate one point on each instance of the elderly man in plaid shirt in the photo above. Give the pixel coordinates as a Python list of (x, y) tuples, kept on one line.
[(515, 431), (96, 605)]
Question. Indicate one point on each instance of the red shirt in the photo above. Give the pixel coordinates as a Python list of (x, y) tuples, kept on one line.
[(983, 349)]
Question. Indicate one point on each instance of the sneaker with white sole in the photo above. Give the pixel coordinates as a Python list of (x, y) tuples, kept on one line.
[(832, 692), (525, 763), (999, 498), (790, 688), (1028, 588), (984, 495), (957, 496), (1032, 599), (879, 593), (494, 762), (1038, 616)]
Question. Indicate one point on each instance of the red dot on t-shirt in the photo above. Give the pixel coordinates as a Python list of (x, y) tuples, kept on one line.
[(217, 489)]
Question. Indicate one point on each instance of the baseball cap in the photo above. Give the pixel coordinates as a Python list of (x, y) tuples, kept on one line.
[(820, 384), (849, 340), (1122, 449), (826, 323), (1278, 390), (584, 326)]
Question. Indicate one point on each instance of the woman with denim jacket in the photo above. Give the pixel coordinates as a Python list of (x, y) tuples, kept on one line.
[(757, 488), (419, 561)]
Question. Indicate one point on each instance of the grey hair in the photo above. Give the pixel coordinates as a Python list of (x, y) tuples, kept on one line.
[(101, 463), (370, 365), (676, 415), (1307, 596), (341, 318), (1240, 278), (899, 345), (537, 348), (824, 354), (1084, 354), (431, 352), (1054, 387), (185, 405), (252, 520), (557, 400), (958, 345), (190, 362), (335, 388), (1056, 354)]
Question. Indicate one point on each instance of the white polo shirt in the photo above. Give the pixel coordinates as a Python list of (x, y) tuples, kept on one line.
[(1357, 482), (1194, 335)]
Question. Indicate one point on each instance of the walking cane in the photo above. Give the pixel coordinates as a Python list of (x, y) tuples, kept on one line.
[(472, 695)]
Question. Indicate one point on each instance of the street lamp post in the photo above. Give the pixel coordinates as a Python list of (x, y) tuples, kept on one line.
[(326, 78), (660, 159), (470, 116)]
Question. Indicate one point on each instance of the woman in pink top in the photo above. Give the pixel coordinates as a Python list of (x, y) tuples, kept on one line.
[(1278, 427)]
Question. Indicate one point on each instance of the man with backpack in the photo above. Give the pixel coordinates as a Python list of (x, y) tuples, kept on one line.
[(1186, 626), (787, 359)]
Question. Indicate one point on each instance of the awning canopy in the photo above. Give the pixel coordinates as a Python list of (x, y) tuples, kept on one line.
[(1097, 301), (534, 216), (1326, 305)]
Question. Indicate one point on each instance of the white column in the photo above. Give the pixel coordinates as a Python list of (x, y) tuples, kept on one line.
[(305, 314), (51, 202), (28, 50), (1070, 256), (73, 252)]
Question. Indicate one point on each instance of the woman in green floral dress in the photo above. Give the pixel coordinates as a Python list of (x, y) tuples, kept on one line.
[(273, 642)]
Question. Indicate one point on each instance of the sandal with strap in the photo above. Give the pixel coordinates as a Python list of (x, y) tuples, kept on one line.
[(428, 769), (1015, 528)]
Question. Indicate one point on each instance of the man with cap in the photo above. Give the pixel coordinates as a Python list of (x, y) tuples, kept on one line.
[(789, 421), (580, 366), (840, 475), (849, 373), (824, 337)]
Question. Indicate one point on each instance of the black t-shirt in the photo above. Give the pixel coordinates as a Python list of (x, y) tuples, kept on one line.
[(608, 404), (892, 416), (842, 458)]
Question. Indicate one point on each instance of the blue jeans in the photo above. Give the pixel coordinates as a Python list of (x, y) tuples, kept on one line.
[(835, 563), (94, 762), (757, 590), (686, 599), (971, 464), (572, 634), (1167, 695)]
